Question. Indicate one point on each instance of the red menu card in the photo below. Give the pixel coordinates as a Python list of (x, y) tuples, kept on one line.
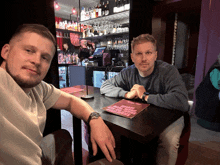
[(126, 108), (71, 89)]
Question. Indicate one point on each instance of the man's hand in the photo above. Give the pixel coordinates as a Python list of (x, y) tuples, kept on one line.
[(139, 89), (135, 92), (101, 135), (131, 95)]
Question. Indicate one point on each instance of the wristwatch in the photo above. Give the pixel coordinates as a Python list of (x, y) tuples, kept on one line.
[(93, 115), (144, 95)]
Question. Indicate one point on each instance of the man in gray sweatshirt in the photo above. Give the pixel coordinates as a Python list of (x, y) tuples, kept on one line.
[(155, 82)]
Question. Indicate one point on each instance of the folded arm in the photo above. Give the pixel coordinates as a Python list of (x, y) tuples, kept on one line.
[(114, 87), (174, 96)]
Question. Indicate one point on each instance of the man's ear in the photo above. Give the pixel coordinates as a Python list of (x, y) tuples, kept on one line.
[(156, 56), (5, 51), (132, 57)]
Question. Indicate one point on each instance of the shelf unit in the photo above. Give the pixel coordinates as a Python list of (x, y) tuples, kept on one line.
[(124, 15), (118, 18), (68, 31), (106, 36)]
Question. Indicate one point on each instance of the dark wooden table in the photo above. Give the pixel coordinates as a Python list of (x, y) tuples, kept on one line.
[(142, 128)]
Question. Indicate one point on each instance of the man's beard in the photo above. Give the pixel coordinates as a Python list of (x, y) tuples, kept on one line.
[(22, 83)]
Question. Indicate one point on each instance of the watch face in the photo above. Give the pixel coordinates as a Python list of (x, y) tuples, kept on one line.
[(95, 115)]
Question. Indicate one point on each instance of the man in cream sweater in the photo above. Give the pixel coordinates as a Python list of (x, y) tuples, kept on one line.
[(25, 98)]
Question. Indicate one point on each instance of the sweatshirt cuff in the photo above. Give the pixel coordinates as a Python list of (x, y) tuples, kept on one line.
[(122, 93), (151, 98)]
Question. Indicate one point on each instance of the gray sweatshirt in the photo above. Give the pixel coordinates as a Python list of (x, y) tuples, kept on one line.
[(165, 86)]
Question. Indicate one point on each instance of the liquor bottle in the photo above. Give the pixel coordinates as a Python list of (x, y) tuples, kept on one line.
[(116, 3), (87, 14), (120, 5), (100, 9), (127, 5), (83, 14), (97, 11), (124, 3), (115, 9), (90, 12), (94, 12), (103, 8), (107, 8)]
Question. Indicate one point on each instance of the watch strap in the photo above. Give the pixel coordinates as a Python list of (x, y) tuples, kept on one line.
[(144, 95)]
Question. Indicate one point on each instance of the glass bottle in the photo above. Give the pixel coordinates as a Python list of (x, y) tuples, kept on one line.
[(120, 6), (115, 9), (94, 12), (127, 5), (97, 11), (103, 8), (100, 9), (107, 8)]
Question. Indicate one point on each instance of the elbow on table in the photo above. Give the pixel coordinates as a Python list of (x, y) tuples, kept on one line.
[(184, 106), (102, 90)]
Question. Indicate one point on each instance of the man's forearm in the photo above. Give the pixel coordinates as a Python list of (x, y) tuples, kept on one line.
[(80, 109), (74, 105), (111, 90)]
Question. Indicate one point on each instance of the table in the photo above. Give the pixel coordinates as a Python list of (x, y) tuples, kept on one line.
[(143, 128)]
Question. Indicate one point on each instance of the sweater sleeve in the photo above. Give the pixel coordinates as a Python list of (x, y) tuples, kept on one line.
[(50, 94), (114, 87), (175, 95)]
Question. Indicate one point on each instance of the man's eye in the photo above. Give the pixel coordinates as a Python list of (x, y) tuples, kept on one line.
[(29, 51), (45, 58), (149, 53)]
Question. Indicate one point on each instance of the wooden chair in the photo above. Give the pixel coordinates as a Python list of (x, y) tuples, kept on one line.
[(184, 139), (106, 162)]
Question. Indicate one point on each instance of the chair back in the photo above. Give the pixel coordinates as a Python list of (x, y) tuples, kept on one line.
[(184, 138)]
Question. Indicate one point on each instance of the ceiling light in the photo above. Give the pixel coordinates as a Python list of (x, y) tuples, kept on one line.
[(74, 12), (56, 6)]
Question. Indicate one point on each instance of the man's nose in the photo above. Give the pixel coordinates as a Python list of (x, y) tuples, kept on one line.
[(144, 57), (36, 59)]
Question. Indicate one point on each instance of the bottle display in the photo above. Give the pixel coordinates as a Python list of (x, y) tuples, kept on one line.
[(67, 25), (106, 21), (105, 26), (102, 9)]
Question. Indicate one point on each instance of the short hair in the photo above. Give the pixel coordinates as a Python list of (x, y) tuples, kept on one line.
[(35, 28), (142, 39)]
